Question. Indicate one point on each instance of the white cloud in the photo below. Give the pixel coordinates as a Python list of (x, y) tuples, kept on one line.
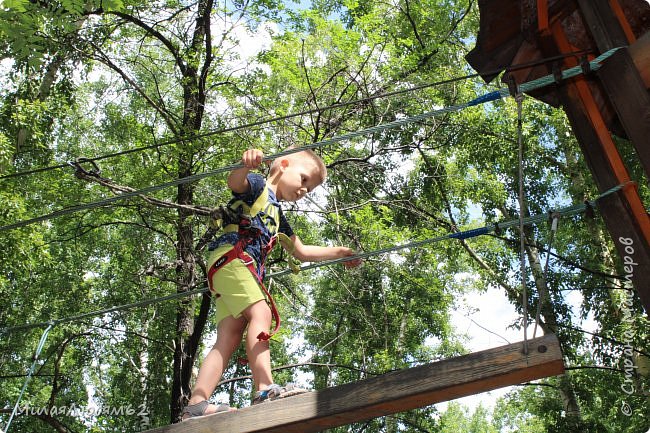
[(486, 319), (245, 44)]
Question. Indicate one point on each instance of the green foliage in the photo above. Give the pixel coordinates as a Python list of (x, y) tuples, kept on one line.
[(95, 78), (457, 419)]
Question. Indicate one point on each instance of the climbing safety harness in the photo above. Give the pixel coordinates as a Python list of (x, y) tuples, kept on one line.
[(239, 217)]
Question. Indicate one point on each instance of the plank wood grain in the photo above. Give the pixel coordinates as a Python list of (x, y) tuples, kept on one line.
[(390, 393)]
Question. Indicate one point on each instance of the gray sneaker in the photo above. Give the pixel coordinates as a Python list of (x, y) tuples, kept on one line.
[(275, 391), (198, 410)]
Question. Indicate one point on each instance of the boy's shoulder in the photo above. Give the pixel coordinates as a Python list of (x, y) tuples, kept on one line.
[(256, 179)]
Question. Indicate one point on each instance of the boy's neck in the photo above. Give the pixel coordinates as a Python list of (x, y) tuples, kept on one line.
[(272, 183)]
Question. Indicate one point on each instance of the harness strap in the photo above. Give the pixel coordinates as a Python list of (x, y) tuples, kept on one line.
[(247, 212), (290, 247), (238, 217), (237, 252)]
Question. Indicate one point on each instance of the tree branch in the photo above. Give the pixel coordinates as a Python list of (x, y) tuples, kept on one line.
[(103, 58), (154, 33)]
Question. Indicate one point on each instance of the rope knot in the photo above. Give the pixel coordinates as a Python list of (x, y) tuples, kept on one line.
[(82, 173)]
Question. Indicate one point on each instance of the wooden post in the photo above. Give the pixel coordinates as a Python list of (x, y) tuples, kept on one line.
[(624, 213), (617, 212), (627, 93), (603, 24), (390, 393), (640, 52)]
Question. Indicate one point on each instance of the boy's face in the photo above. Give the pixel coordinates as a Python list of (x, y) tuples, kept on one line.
[(299, 176)]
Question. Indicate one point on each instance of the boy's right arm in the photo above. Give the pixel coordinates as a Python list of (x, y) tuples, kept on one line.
[(317, 253), (237, 180)]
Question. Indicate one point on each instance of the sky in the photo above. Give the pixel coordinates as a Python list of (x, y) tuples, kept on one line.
[(484, 318)]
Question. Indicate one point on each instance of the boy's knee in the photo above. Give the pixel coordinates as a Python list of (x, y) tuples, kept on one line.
[(258, 312), (226, 340)]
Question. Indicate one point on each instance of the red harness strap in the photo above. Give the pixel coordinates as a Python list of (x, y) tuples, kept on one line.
[(238, 253)]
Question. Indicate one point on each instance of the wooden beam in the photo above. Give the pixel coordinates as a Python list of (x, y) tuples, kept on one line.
[(622, 20), (390, 393), (627, 93), (603, 24), (640, 52), (624, 213)]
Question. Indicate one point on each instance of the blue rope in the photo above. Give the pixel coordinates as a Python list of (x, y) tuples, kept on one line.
[(525, 87), (492, 96), (531, 220), (470, 233)]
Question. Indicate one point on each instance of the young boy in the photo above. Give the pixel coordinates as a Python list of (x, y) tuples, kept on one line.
[(240, 301)]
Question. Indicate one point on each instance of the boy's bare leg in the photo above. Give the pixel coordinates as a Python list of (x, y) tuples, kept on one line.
[(259, 355), (229, 336)]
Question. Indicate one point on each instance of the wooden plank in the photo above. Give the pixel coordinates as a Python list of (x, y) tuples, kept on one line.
[(628, 95), (390, 393)]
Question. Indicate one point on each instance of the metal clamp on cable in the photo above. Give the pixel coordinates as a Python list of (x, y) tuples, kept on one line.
[(555, 219), (630, 184), (513, 88), (586, 66), (589, 210), (557, 74)]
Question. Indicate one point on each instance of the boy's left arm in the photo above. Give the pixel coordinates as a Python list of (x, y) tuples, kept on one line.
[(316, 253)]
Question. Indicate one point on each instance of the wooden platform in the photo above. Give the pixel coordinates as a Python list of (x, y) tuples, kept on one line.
[(390, 393)]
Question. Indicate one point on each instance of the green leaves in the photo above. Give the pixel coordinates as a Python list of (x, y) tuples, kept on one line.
[(146, 83), (16, 5)]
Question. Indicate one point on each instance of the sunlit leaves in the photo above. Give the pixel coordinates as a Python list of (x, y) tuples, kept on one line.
[(420, 181)]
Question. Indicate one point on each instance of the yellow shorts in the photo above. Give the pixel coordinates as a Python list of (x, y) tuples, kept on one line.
[(233, 286)]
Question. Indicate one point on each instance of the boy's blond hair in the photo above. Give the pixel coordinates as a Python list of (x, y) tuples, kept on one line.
[(303, 156)]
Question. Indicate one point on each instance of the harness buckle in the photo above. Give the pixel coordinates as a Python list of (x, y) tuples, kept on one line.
[(247, 228), (245, 222)]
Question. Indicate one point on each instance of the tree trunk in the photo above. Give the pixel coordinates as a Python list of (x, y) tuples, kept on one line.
[(184, 349), (189, 328), (45, 88), (569, 399)]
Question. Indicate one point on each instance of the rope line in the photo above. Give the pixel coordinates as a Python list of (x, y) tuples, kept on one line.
[(525, 87), (39, 348), (542, 293), (301, 113), (240, 127), (531, 220), (244, 126), (83, 316), (227, 168), (519, 98)]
